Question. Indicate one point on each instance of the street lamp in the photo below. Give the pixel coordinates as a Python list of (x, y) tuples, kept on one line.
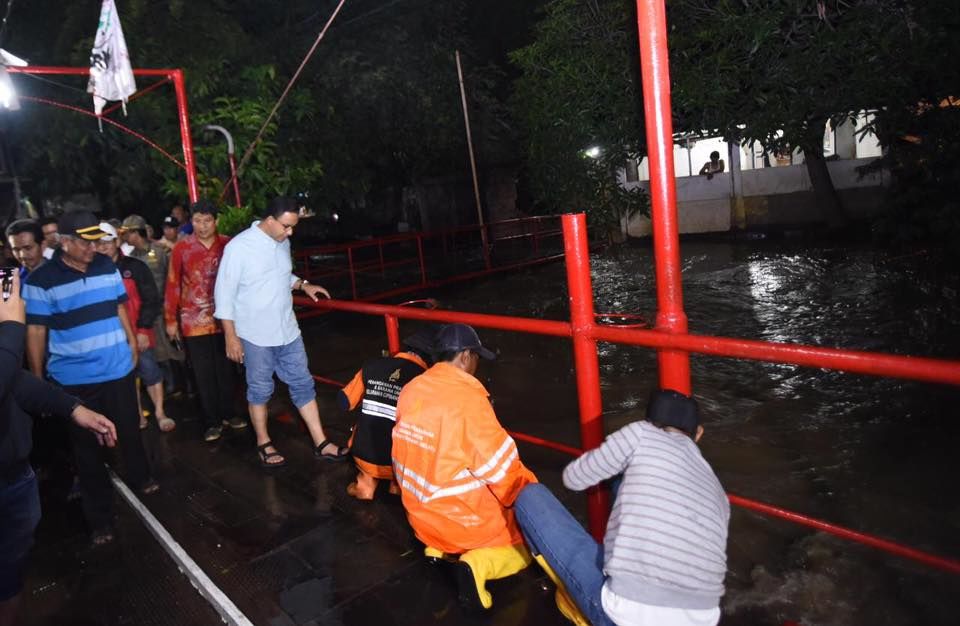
[(230, 155)]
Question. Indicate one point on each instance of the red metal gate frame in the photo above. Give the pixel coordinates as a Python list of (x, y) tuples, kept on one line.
[(174, 76)]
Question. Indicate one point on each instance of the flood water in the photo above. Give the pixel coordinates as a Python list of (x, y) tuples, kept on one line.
[(872, 454)]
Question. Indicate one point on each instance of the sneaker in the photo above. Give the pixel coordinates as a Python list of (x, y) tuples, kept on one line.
[(213, 433), (236, 423)]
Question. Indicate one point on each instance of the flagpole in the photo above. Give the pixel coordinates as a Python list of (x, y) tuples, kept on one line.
[(473, 164)]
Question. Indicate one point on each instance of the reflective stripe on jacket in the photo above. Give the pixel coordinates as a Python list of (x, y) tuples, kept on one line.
[(376, 388), (458, 469)]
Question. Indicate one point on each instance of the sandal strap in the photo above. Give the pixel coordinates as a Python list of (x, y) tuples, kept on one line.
[(263, 447)]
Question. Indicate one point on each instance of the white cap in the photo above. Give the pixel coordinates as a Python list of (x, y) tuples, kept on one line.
[(111, 232)]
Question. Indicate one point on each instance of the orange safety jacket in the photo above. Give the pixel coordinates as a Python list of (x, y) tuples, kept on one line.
[(458, 469), (375, 389)]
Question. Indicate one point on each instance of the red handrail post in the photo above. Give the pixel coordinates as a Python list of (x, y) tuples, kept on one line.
[(183, 114), (423, 265), (393, 333), (353, 275), (674, 365), (582, 320)]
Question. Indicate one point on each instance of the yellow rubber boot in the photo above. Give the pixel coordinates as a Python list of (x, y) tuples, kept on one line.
[(432, 553), (478, 566), (564, 602)]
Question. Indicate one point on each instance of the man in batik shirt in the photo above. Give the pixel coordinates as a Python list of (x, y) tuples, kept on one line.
[(188, 312)]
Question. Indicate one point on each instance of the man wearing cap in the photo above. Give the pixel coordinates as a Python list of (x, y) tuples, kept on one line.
[(170, 228), (458, 469), (77, 298), (144, 308), (663, 559), (133, 230), (375, 388)]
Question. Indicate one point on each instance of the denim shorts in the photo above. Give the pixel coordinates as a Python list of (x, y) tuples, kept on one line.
[(288, 362), (148, 370), (19, 516)]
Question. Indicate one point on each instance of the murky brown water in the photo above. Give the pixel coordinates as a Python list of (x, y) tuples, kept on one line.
[(872, 454)]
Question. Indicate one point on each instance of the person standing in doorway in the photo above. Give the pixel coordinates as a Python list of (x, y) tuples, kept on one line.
[(255, 304), (188, 313)]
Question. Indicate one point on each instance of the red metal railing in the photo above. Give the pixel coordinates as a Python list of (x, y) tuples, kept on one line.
[(395, 264), (584, 329)]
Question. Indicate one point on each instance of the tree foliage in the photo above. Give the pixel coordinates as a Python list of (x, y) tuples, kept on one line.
[(580, 89), (377, 106)]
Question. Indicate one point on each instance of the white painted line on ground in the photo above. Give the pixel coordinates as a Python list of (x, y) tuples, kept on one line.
[(228, 611)]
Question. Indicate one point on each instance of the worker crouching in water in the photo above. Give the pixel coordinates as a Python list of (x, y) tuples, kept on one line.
[(376, 388), (458, 469)]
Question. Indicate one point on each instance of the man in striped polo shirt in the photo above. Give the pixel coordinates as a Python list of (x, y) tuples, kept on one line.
[(663, 558), (77, 299)]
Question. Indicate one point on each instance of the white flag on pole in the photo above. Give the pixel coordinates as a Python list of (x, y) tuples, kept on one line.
[(111, 75)]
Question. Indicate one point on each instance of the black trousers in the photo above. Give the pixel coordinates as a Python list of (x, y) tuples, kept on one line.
[(117, 399), (215, 376)]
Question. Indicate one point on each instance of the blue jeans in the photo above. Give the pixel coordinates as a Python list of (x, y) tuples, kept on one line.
[(573, 554), (19, 516), (148, 370), (289, 362)]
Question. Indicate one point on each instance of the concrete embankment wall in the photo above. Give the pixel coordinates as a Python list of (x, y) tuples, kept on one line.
[(768, 198)]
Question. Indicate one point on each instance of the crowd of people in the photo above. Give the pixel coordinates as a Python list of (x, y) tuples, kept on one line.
[(101, 306)]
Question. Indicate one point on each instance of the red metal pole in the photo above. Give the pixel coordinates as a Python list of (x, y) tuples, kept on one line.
[(184, 115), (235, 178), (950, 565), (655, 72), (582, 320), (393, 333)]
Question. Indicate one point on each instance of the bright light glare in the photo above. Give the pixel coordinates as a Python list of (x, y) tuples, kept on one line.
[(7, 94), (593, 152)]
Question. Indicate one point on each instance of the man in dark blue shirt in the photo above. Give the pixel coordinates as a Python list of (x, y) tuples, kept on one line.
[(77, 298)]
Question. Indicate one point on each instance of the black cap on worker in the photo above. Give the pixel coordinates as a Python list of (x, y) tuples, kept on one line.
[(460, 337)]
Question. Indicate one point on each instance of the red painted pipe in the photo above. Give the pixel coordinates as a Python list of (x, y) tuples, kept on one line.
[(136, 96), (183, 114), (587, 365), (50, 70), (655, 73), (860, 362), (949, 565), (546, 443), (856, 361), (393, 333)]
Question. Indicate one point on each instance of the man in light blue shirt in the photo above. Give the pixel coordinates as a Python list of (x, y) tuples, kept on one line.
[(254, 301)]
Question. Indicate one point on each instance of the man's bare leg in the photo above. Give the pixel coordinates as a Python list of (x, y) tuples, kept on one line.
[(258, 416), (155, 392), (310, 413)]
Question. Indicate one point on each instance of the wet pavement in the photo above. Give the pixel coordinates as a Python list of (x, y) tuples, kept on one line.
[(287, 546)]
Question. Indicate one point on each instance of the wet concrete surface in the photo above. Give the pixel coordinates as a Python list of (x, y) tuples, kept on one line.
[(287, 546)]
